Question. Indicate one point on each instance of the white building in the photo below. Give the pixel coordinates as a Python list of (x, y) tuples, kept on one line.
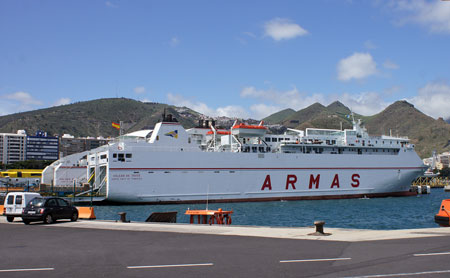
[(13, 147)]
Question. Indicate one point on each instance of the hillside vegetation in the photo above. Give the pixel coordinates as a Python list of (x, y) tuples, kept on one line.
[(94, 118), (399, 119)]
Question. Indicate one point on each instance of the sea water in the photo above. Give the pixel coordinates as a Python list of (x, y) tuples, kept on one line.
[(374, 213)]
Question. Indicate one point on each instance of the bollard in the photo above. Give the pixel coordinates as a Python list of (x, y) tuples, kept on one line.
[(123, 217), (319, 229), (319, 226)]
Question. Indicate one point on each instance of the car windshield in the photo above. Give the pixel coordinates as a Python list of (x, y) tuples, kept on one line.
[(37, 202)]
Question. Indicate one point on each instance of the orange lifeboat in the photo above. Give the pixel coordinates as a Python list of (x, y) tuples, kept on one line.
[(244, 130), (443, 216)]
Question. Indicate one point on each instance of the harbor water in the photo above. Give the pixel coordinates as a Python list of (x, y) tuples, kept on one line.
[(377, 213)]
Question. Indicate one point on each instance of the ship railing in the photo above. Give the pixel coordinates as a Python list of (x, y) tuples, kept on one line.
[(237, 144), (102, 176), (101, 190)]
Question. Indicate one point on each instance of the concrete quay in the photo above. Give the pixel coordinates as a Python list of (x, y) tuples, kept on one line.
[(111, 249), (335, 234)]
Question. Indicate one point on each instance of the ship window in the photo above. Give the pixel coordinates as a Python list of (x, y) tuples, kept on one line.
[(157, 137), (261, 149), (268, 149), (189, 140), (128, 155), (254, 149), (274, 139), (267, 139), (114, 155), (103, 156)]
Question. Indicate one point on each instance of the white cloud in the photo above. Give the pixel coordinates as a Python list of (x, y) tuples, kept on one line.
[(356, 66), (139, 90), (232, 111), (365, 103), (250, 34), (434, 15), (23, 98), (272, 101), (18, 102), (433, 99), (279, 100), (283, 29), (369, 44), (111, 5), (62, 101), (174, 41), (228, 111), (391, 91), (261, 110), (388, 64)]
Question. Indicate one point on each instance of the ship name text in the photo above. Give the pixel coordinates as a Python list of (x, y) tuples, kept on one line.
[(314, 180)]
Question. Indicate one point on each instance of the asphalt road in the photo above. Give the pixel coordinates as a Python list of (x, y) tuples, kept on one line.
[(50, 251)]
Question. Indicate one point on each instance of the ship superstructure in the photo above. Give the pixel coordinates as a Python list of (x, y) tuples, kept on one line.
[(172, 165)]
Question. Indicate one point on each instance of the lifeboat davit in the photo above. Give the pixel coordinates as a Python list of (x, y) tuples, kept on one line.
[(243, 130), (443, 216)]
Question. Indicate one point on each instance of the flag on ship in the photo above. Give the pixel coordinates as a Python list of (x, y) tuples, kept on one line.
[(115, 125)]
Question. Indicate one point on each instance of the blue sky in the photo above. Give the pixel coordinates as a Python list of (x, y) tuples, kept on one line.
[(230, 58)]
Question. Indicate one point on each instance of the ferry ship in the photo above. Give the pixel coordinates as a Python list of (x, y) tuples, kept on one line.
[(170, 164)]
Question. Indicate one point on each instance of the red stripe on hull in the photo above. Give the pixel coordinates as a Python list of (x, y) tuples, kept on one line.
[(296, 198), (232, 169)]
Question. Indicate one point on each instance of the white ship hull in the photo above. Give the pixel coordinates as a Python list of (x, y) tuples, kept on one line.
[(174, 166), (186, 177)]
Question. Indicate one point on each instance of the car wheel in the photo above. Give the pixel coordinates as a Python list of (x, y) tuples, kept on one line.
[(26, 222), (48, 219), (10, 218), (74, 217)]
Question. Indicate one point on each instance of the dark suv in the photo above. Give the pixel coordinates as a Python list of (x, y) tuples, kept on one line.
[(48, 210)]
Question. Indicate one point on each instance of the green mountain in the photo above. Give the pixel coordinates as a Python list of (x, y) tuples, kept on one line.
[(94, 118), (400, 118), (403, 119), (279, 116), (317, 115)]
